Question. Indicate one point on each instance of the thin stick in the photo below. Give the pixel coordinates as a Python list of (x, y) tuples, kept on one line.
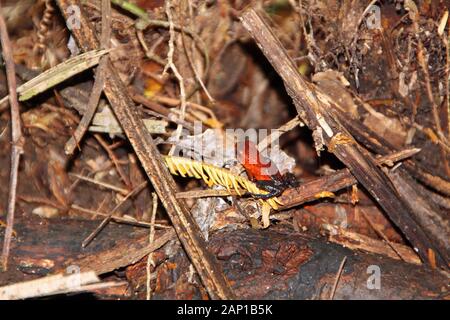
[(150, 261), (107, 219), (40, 200), (99, 82), (172, 102), (191, 62), (291, 124), (382, 235), (149, 53), (45, 286), (114, 159), (170, 64), (117, 219), (338, 276), (16, 135), (100, 183), (100, 207), (339, 180)]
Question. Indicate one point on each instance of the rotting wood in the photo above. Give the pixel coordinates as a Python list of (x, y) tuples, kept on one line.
[(373, 142), (279, 264), (121, 256), (185, 226), (57, 247), (433, 220), (315, 109), (274, 263)]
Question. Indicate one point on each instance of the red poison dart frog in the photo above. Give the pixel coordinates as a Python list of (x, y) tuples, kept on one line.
[(262, 171)]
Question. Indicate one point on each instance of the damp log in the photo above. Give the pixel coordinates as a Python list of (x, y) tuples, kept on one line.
[(280, 264), (261, 264), (48, 246)]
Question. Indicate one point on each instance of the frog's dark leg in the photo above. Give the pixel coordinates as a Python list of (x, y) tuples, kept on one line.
[(273, 190), (290, 180)]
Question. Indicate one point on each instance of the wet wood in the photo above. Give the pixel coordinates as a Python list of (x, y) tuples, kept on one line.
[(49, 246), (279, 264)]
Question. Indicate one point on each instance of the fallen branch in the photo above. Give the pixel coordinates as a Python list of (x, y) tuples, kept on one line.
[(53, 285), (312, 190), (123, 254), (99, 82)]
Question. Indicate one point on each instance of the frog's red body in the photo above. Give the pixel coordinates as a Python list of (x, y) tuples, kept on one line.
[(262, 171)]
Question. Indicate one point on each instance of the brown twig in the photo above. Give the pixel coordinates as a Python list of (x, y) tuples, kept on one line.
[(117, 219), (99, 82), (205, 193), (150, 261), (311, 190), (191, 115), (158, 110), (274, 136), (107, 219), (381, 234), (44, 201), (357, 241), (16, 135), (338, 276), (149, 53), (381, 146), (100, 183), (171, 65), (114, 159), (124, 254)]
